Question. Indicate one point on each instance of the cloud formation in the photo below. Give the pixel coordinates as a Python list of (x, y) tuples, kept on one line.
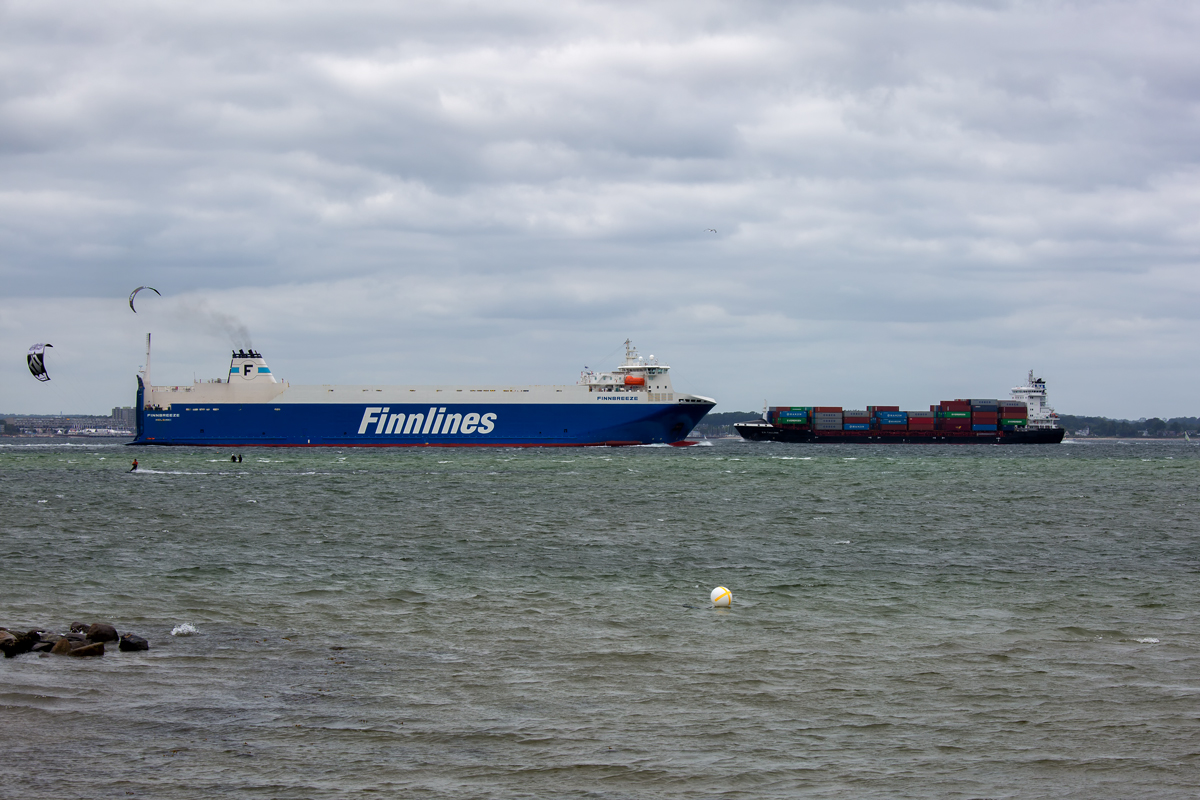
[(912, 201)]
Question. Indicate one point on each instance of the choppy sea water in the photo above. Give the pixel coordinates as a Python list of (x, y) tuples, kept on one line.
[(974, 622)]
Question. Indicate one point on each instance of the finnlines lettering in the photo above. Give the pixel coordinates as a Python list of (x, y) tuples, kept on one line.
[(437, 421)]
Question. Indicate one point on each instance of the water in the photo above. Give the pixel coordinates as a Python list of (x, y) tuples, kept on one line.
[(907, 622)]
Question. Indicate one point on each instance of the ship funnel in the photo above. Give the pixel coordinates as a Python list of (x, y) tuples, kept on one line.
[(247, 365)]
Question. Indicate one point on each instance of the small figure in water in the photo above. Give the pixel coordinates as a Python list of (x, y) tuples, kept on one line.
[(239, 459), (233, 459), (134, 467)]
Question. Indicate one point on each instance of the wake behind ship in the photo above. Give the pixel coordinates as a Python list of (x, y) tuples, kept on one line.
[(633, 404)]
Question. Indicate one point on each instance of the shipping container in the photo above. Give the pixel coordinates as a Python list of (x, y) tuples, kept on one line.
[(976, 402), (1014, 422), (856, 426), (954, 415), (828, 409), (828, 426), (1013, 404), (856, 412), (919, 415), (983, 427), (873, 409), (984, 417)]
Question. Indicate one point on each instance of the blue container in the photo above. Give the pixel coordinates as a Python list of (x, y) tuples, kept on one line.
[(983, 427), (856, 426)]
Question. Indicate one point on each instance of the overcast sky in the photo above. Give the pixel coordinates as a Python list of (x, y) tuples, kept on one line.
[(912, 202)]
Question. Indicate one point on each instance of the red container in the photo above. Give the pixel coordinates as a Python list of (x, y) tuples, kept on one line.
[(900, 427), (920, 422), (954, 425), (954, 405), (984, 418), (873, 409), (1014, 413), (827, 409)]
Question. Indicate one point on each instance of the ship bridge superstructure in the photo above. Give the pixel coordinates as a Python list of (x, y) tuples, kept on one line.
[(638, 374), (1033, 395)]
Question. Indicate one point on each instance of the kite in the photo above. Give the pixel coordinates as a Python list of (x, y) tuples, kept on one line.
[(37, 361), (133, 294)]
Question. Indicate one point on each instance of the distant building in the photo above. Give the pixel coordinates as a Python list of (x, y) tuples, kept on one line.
[(124, 418)]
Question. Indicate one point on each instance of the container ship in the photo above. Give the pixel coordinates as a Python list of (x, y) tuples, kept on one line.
[(633, 404), (1025, 419)]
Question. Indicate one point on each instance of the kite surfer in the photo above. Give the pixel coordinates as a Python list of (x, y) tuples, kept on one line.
[(134, 467)]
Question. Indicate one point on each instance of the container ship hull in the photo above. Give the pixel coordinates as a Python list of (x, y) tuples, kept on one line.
[(634, 404), (763, 432)]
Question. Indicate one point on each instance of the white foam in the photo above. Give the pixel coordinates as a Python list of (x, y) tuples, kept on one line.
[(184, 629), (1147, 640)]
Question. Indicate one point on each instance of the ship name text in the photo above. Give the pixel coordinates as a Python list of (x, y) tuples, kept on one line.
[(377, 419)]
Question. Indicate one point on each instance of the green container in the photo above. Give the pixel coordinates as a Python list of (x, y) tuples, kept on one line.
[(954, 414), (1014, 421)]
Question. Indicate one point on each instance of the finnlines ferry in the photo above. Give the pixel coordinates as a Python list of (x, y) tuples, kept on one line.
[(633, 404), (1025, 419)]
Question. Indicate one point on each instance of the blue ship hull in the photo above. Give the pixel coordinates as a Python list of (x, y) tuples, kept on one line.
[(284, 424)]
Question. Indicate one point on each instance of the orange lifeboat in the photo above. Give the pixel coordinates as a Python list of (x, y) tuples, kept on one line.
[(635, 380)]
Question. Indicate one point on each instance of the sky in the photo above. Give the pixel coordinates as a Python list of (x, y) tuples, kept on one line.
[(911, 201)]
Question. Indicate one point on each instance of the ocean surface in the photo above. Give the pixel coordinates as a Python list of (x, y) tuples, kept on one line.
[(908, 622)]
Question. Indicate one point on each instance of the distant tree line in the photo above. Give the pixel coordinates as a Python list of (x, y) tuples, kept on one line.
[(1155, 427)]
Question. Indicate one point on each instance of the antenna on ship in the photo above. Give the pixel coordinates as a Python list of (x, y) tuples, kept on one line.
[(147, 372)]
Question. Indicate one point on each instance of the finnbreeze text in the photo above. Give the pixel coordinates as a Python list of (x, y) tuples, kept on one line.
[(436, 421)]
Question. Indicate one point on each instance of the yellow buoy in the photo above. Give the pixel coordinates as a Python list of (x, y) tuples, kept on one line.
[(721, 597)]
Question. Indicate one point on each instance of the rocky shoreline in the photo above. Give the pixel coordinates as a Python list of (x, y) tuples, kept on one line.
[(84, 640)]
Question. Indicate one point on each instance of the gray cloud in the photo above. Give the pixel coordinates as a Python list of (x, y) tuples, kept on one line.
[(999, 185)]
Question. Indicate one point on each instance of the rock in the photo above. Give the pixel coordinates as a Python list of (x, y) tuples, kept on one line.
[(95, 649), (62, 647), (41, 647), (21, 643), (102, 632), (6, 637), (76, 637), (129, 642), (79, 627), (52, 638)]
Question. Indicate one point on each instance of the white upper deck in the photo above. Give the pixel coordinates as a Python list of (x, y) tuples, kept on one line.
[(250, 380)]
